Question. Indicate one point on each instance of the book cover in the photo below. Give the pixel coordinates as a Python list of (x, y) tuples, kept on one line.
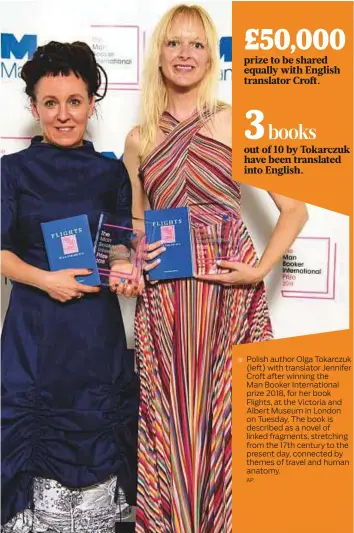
[(173, 227), (69, 244)]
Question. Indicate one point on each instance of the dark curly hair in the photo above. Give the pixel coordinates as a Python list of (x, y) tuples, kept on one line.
[(62, 58)]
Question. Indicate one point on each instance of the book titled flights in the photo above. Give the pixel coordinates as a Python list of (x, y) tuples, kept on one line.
[(68, 244), (173, 227)]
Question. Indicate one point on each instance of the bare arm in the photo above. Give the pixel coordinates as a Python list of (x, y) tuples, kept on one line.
[(131, 161), (60, 285), (140, 202), (292, 218)]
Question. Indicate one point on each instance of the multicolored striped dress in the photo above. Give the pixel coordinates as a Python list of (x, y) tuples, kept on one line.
[(185, 330)]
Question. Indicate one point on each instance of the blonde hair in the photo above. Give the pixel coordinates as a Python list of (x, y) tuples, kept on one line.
[(154, 97)]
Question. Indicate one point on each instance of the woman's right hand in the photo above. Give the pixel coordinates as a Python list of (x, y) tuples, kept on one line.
[(61, 285), (151, 253)]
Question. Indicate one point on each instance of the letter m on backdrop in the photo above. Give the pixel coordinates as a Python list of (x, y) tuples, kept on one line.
[(226, 49), (10, 45)]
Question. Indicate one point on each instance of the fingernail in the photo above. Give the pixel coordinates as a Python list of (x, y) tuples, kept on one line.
[(90, 269), (158, 260), (163, 249)]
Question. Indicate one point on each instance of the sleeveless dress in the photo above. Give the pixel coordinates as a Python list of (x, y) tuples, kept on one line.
[(185, 330), (69, 390)]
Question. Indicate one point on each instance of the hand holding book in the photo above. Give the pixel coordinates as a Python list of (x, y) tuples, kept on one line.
[(151, 253), (193, 244), (73, 269), (61, 285)]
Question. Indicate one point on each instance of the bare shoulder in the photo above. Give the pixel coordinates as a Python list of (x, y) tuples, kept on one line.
[(220, 125), (132, 140), (131, 152), (223, 117)]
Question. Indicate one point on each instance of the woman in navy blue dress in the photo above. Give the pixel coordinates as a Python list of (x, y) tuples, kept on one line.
[(69, 389)]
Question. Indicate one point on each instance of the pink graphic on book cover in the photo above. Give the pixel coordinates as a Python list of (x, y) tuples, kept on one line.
[(69, 243), (168, 234)]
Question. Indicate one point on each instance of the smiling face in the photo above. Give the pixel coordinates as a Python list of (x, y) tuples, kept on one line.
[(63, 108), (185, 56)]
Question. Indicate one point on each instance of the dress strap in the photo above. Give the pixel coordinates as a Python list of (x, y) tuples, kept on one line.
[(177, 133), (168, 122)]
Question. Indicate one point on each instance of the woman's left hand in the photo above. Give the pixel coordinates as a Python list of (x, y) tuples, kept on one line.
[(125, 286), (241, 274)]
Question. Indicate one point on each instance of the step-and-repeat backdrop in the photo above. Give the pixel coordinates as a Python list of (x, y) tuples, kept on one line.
[(308, 292)]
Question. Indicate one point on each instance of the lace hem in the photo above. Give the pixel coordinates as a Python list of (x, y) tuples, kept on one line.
[(58, 509)]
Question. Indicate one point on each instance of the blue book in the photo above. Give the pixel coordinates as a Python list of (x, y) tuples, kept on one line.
[(68, 243), (173, 227)]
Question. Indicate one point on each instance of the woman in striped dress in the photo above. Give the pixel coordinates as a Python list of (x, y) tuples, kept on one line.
[(181, 156)]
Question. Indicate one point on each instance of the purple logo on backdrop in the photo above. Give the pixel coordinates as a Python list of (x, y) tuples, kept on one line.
[(309, 269), (117, 49)]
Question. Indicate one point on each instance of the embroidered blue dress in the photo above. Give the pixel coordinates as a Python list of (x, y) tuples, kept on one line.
[(69, 391)]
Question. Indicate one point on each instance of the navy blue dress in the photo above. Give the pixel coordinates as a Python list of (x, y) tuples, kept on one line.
[(69, 391)]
